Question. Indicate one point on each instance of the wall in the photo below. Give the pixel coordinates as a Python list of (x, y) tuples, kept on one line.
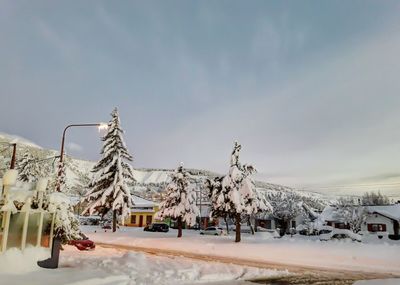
[(378, 219)]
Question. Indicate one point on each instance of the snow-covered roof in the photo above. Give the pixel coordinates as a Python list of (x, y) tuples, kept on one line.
[(140, 202), (390, 211), (330, 213)]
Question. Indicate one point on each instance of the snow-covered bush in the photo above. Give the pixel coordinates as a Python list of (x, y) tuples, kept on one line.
[(66, 224), (180, 201)]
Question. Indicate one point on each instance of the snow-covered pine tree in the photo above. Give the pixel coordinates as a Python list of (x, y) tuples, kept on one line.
[(28, 169), (109, 187), (241, 198), (180, 201), (218, 197)]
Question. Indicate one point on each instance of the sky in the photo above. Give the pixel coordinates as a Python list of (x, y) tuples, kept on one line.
[(310, 89)]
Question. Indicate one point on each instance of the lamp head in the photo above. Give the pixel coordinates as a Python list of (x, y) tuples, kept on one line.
[(102, 126)]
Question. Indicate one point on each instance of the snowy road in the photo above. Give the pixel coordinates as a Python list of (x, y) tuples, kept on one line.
[(297, 253)]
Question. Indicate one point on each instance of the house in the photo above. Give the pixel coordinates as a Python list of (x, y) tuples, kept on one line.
[(379, 220), (204, 205), (331, 216), (266, 221), (383, 219), (269, 222), (142, 213)]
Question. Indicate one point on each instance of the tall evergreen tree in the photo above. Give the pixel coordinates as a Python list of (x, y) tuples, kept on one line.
[(180, 201), (28, 169), (109, 188)]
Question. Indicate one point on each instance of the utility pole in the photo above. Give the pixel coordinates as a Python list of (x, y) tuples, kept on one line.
[(14, 155)]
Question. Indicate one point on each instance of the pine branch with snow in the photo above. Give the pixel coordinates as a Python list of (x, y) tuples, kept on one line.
[(28, 169)]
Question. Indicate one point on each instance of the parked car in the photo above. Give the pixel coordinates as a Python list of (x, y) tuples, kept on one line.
[(213, 231), (340, 234), (325, 230), (196, 227), (157, 227), (106, 226), (83, 244)]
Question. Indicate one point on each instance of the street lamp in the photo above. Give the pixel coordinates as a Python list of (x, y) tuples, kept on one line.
[(100, 126)]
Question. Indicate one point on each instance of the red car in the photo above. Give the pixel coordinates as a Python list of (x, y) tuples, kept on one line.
[(83, 244)]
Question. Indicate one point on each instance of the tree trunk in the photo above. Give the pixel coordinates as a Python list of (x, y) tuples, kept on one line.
[(283, 224), (114, 229), (179, 227), (226, 224), (238, 220), (249, 224)]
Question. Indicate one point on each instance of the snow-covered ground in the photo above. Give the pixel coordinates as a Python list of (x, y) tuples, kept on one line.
[(115, 267), (301, 251), (112, 266)]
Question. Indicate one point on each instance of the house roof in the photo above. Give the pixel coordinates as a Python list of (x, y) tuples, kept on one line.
[(330, 213), (390, 211), (140, 202)]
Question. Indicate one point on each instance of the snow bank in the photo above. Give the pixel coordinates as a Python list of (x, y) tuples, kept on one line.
[(15, 261), (115, 267)]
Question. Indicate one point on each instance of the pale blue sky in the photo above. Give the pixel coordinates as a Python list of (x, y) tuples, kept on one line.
[(310, 88)]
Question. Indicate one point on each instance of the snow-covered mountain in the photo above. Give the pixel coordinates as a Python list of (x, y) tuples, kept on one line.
[(150, 183), (18, 140)]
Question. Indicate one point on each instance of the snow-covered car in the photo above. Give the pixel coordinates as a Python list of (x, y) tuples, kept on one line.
[(83, 244), (213, 231), (106, 226), (244, 229), (157, 227), (340, 234)]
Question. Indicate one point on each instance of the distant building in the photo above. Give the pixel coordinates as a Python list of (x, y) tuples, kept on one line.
[(331, 217), (383, 219), (379, 221), (142, 213)]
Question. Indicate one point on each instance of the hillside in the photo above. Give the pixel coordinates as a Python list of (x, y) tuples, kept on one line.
[(150, 183)]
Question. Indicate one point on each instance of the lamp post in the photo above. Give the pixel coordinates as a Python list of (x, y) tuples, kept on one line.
[(100, 126)]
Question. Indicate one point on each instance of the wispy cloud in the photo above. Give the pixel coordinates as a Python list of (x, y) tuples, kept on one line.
[(74, 147)]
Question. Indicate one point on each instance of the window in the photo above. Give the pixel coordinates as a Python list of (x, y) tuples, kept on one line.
[(342, 226), (143, 208), (133, 219), (376, 228), (149, 220)]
